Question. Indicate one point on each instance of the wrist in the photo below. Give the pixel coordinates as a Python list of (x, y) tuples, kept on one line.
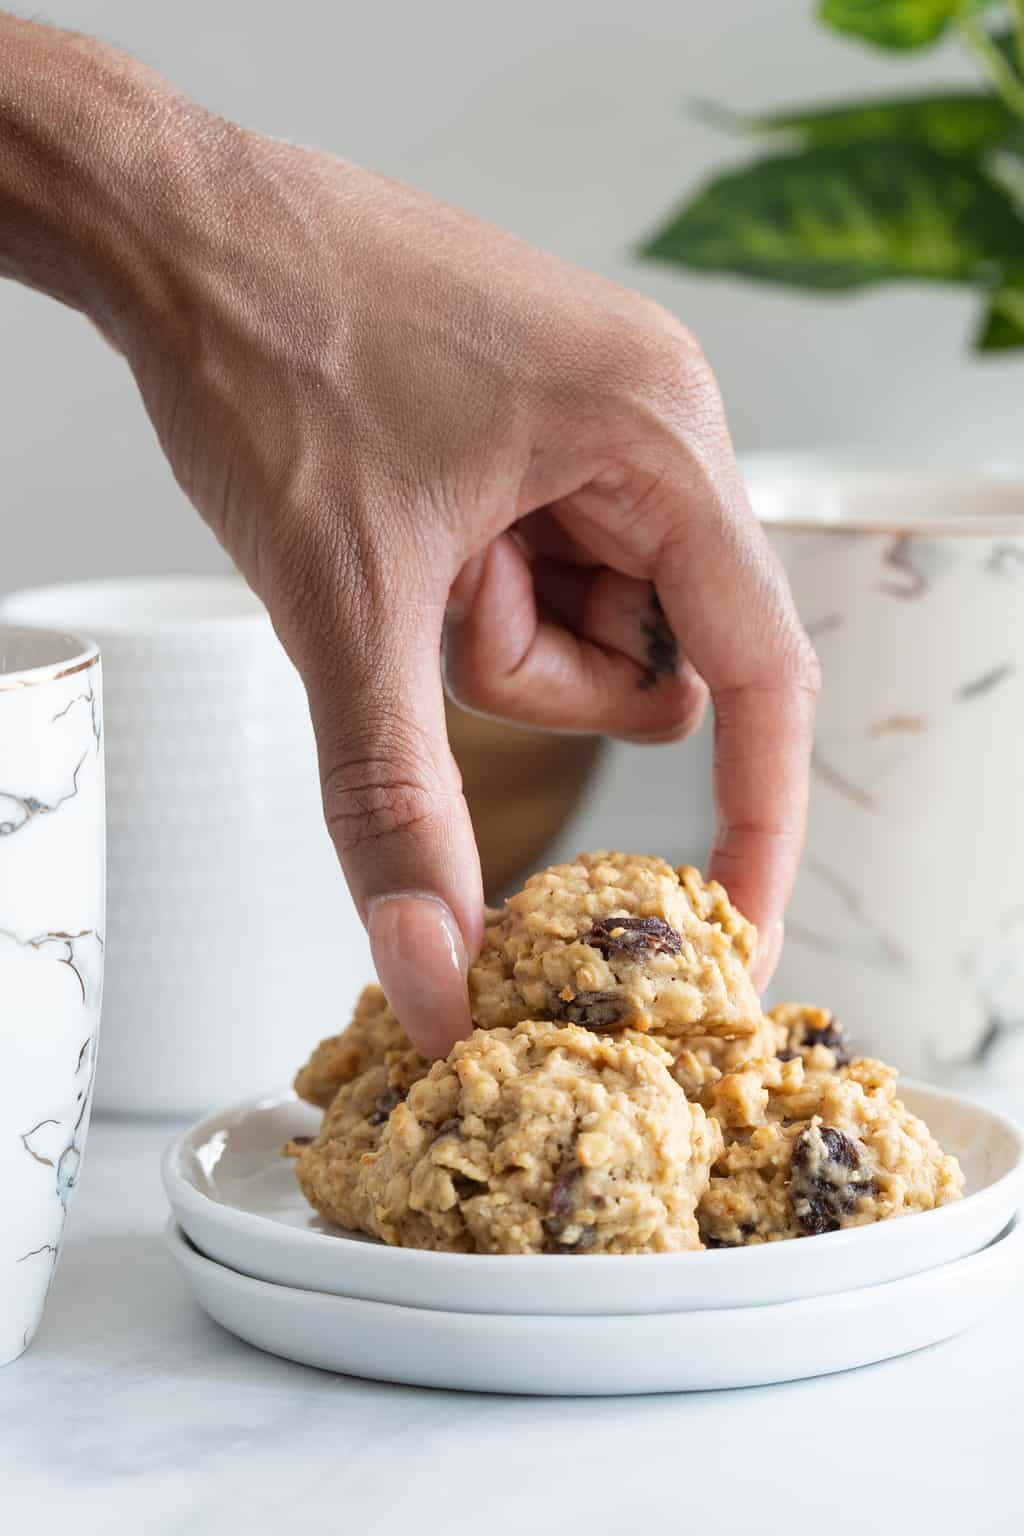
[(94, 151)]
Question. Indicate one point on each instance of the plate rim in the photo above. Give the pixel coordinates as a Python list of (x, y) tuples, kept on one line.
[(856, 1297), (189, 1195)]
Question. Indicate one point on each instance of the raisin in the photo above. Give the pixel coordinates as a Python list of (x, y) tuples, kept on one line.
[(826, 1183), (816, 1216), (584, 1241), (745, 1230), (562, 1201), (595, 1010), (561, 1214), (834, 1040), (466, 1188), (384, 1105), (788, 1055), (837, 1147), (301, 1141), (633, 936), (831, 1035), (840, 1148)]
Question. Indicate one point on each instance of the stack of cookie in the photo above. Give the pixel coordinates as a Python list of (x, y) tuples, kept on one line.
[(622, 1091)]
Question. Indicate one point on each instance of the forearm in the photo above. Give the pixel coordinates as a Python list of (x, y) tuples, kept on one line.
[(90, 156)]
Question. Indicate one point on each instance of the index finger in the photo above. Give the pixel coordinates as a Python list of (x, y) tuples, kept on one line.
[(729, 604)]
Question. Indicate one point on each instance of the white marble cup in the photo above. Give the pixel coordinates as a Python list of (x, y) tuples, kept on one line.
[(51, 952), (908, 917), (233, 945)]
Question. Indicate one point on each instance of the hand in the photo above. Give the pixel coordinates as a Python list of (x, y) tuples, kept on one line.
[(414, 433)]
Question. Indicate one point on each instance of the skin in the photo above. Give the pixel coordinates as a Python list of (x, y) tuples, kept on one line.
[(437, 454)]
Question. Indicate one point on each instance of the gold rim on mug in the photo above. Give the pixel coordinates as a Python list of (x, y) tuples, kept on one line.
[(73, 654)]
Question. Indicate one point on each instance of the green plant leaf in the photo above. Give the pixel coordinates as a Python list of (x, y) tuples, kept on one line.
[(894, 23), (1003, 326), (955, 122), (1005, 39), (843, 217)]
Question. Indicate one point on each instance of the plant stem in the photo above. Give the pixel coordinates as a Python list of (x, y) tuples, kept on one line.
[(995, 65)]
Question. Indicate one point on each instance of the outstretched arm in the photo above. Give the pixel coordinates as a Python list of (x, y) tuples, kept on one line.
[(417, 435)]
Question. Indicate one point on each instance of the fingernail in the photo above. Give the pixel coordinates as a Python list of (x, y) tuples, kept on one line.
[(769, 948), (421, 963)]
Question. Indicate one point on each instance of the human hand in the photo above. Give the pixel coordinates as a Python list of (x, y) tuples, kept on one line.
[(414, 433)]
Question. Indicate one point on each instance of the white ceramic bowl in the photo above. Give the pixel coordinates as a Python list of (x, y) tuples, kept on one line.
[(660, 1352), (233, 944), (237, 1199)]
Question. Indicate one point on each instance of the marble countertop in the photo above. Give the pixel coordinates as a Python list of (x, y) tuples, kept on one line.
[(134, 1413)]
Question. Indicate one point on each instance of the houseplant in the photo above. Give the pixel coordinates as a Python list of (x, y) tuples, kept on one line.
[(905, 561), (927, 187)]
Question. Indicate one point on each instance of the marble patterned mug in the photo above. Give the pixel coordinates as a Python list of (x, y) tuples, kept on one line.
[(908, 916), (51, 951)]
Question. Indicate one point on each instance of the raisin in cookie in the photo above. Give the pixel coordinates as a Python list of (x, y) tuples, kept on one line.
[(787, 1031), (813, 1034), (339, 1059), (812, 1151), (618, 941), (539, 1139), (328, 1169)]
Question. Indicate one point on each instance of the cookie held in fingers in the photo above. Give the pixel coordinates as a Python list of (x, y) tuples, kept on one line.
[(618, 941)]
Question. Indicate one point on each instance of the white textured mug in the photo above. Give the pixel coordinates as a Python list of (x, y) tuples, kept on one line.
[(233, 945), (51, 952), (908, 917)]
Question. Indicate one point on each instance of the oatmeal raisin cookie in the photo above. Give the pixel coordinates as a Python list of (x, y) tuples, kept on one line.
[(541, 1139), (810, 1151), (618, 941), (340, 1059), (328, 1169)]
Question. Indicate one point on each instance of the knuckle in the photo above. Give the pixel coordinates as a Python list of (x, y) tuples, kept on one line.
[(653, 354), (678, 366), (804, 668), (797, 658), (658, 320), (367, 800)]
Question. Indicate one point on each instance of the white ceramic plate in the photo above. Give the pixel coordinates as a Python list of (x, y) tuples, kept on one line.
[(238, 1201), (593, 1355)]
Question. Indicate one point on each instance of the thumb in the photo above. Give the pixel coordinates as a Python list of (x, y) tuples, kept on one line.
[(398, 819)]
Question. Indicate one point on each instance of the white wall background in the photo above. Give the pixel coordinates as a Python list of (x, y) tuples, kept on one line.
[(563, 120)]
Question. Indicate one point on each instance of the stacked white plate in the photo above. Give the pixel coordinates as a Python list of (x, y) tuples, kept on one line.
[(264, 1266)]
